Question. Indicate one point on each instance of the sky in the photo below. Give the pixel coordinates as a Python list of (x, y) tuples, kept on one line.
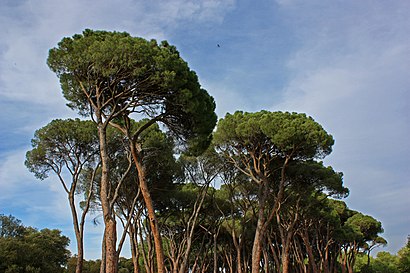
[(345, 63)]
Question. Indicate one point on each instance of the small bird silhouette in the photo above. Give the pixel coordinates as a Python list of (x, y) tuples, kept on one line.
[(218, 45)]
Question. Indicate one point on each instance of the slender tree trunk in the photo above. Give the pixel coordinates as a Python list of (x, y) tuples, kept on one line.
[(257, 244), (238, 246), (309, 250), (266, 260), (80, 260), (145, 255), (103, 256), (134, 248), (78, 233), (110, 244), (215, 254), (191, 228), (285, 262), (343, 261), (150, 208), (286, 244), (110, 231), (259, 232), (274, 254)]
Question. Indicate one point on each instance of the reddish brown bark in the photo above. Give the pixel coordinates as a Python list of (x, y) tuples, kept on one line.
[(150, 208)]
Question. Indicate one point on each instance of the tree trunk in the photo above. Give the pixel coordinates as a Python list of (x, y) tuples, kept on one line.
[(215, 254), (285, 262), (266, 260), (145, 254), (134, 247), (150, 208), (80, 254), (259, 232), (309, 250), (80, 261), (238, 246), (78, 233), (110, 231), (102, 265), (257, 244), (110, 246)]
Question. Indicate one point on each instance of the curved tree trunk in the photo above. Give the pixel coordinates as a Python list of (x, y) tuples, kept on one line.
[(150, 208)]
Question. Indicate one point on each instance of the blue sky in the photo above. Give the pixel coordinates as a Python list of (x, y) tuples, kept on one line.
[(345, 63)]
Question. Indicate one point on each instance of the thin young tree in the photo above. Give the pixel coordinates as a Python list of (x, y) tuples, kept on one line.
[(67, 148)]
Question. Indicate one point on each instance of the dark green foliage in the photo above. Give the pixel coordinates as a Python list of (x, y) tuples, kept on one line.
[(278, 133), (10, 227), (70, 143), (33, 251), (404, 258), (113, 74), (363, 228), (162, 169), (90, 266), (310, 174)]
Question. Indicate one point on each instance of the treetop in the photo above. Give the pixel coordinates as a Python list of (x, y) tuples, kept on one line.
[(282, 133), (106, 75)]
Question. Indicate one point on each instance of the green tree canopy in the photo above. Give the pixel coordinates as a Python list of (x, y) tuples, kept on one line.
[(277, 133), (71, 144), (10, 226), (33, 250), (404, 257), (114, 74)]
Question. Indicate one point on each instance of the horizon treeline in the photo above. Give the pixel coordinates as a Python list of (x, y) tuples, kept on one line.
[(249, 195), (25, 249)]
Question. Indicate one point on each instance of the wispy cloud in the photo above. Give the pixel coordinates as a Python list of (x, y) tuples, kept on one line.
[(351, 73), (31, 28)]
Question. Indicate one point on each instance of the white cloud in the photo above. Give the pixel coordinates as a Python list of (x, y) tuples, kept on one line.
[(38, 26)]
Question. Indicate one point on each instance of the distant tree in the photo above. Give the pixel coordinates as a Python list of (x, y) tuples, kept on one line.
[(108, 75), (42, 251), (404, 257), (384, 262), (67, 148), (10, 226), (89, 266), (185, 208), (356, 234)]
